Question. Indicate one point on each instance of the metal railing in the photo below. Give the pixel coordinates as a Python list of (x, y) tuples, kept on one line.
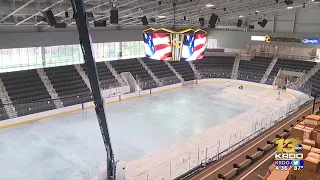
[(193, 159)]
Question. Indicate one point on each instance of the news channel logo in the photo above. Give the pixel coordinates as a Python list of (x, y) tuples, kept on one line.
[(290, 145), (298, 148), (288, 149), (310, 41), (289, 162)]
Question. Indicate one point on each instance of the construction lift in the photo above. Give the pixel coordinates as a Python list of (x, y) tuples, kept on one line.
[(85, 42)]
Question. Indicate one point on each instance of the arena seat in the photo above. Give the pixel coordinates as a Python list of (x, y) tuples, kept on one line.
[(106, 78), (254, 69), (69, 85), (184, 69), (27, 92), (137, 70), (161, 71), (289, 64), (215, 66)]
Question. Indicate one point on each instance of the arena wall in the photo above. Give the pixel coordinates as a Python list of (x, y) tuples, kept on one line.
[(117, 98)]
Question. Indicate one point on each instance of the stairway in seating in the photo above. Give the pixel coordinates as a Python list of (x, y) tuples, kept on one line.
[(83, 75), (197, 74), (5, 98), (268, 71), (52, 92), (302, 80), (115, 74), (235, 67), (150, 72), (175, 72)]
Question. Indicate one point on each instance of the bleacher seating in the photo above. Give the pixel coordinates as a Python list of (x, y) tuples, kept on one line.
[(289, 64), (29, 95), (69, 85), (106, 78), (315, 82), (162, 71), (215, 67), (137, 70), (254, 69), (27, 92), (184, 69)]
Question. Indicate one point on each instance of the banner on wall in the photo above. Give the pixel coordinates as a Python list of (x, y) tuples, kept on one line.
[(310, 41)]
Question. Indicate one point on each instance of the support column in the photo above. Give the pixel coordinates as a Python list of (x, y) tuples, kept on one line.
[(293, 22), (82, 27), (43, 56), (120, 50), (273, 23)]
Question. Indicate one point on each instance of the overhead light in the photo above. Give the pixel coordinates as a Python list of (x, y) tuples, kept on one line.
[(257, 11), (161, 16), (209, 5), (289, 7), (241, 16)]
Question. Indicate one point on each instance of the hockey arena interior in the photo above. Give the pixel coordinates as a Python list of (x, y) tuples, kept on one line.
[(160, 90)]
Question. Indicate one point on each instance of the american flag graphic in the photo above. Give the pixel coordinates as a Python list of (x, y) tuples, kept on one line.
[(158, 46), (193, 47)]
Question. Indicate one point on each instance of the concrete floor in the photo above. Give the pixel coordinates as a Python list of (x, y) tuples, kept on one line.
[(70, 147)]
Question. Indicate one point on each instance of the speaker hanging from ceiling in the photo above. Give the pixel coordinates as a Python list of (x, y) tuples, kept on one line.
[(239, 23), (89, 14), (251, 26), (213, 20), (49, 17), (60, 25), (100, 23), (152, 20), (66, 14), (144, 20), (263, 23), (114, 16), (201, 21)]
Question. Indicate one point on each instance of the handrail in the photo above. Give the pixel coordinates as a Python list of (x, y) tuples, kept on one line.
[(218, 156), (201, 166), (298, 78)]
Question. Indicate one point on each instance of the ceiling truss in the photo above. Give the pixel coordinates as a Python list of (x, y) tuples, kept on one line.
[(187, 12)]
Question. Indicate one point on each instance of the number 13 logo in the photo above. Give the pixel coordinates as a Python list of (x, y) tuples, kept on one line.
[(291, 144)]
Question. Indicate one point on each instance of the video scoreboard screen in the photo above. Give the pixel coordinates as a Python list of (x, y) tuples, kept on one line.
[(167, 45), (289, 154)]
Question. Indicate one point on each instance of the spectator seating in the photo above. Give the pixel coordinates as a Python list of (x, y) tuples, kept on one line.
[(69, 85), (29, 95), (106, 78), (184, 69), (162, 71), (3, 114), (27, 92), (215, 67), (137, 70), (315, 82), (289, 64), (254, 69)]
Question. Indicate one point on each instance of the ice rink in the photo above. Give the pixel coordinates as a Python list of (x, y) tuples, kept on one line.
[(70, 147)]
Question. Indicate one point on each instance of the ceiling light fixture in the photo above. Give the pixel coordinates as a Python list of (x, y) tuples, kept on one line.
[(289, 7), (161, 16), (209, 5), (241, 16), (257, 11)]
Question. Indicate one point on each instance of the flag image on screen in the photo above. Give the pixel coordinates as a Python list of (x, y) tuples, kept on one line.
[(157, 46), (193, 47)]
